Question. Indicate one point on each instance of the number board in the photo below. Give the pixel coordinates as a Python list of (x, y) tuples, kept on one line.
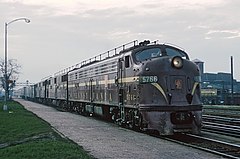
[(148, 79)]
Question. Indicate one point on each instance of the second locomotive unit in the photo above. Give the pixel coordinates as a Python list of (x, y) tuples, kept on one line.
[(148, 86)]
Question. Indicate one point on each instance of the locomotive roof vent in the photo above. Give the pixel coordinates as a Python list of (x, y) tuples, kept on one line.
[(144, 43)]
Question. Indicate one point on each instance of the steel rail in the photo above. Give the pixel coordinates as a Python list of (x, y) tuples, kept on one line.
[(221, 119), (221, 125), (206, 144)]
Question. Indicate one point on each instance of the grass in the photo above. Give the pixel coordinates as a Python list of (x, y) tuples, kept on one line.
[(24, 135)]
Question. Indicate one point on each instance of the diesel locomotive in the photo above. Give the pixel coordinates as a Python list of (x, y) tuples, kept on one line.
[(147, 86)]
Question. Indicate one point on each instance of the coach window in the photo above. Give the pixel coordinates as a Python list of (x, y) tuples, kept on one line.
[(127, 61), (64, 78)]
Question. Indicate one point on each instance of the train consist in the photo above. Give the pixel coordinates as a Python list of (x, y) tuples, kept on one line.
[(147, 86)]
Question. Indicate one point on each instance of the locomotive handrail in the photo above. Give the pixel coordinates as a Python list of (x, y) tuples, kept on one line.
[(45, 78), (99, 57)]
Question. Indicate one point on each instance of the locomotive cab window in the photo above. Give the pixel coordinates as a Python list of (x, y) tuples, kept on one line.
[(176, 52), (148, 54), (127, 61)]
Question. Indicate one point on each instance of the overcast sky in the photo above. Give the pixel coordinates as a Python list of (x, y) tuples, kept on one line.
[(64, 32)]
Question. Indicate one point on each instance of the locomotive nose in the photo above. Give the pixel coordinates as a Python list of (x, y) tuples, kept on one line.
[(176, 80)]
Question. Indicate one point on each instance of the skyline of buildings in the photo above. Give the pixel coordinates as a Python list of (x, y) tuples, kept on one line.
[(216, 88)]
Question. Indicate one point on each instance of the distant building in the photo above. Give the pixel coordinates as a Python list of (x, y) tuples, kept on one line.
[(216, 87), (200, 65)]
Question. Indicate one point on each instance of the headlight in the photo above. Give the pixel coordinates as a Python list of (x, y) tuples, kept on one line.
[(177, 62)]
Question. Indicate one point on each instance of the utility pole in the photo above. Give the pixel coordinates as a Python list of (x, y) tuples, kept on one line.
[(232, 100)]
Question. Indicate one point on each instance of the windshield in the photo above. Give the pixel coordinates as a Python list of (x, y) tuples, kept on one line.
[(175, 52), (151, 53), (148, 54)]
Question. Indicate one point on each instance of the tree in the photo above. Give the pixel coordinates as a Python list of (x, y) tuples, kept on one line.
[(13, 71)]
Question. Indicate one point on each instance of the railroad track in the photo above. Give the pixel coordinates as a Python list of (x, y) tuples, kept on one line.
[(210, 145), (220, 119), (221, 125), (221, 110), (215, 125)]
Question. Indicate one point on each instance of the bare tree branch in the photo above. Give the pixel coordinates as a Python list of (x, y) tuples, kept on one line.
[(13, 71)]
